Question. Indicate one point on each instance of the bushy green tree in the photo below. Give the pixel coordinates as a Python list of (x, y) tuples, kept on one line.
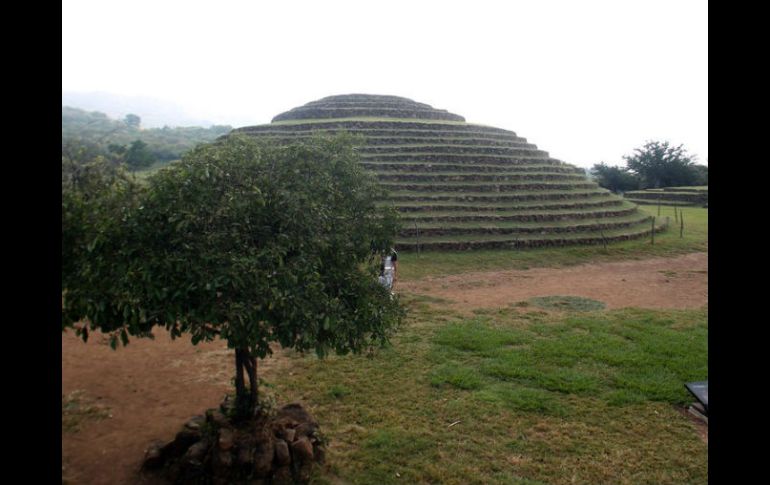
[(97, 195), (660, 165), (248, 242), (616, 179), (132, 120), (702, 172), (138, 155)]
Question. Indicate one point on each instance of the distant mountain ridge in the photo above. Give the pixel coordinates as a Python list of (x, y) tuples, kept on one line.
[(155, 113)]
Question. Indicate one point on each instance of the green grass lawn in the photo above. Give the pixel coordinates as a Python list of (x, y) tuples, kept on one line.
[(518, 395), (695, 238), (513, 396)]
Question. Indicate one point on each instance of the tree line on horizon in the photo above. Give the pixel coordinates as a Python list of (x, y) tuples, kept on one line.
[(124, 141), (655, 165)]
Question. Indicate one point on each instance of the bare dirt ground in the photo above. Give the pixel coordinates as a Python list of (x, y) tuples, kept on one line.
[(148, 390), (145, 391), (680, 282)]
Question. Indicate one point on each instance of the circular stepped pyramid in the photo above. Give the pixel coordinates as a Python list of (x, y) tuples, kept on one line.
[(460, 185)]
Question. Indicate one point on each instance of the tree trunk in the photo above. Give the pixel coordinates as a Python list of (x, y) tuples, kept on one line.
[(244, 361), (240, 390), (253, 384)]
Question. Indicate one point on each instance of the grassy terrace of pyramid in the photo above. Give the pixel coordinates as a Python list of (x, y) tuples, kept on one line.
[(462, 186), (680, 196)]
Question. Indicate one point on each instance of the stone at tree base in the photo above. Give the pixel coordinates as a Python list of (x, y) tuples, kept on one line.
[(294, 412), (288, 434), (153, 456), (217, 418), (226, 438), (179, 445), (239, 453), (319, 453), (264, 451), (197, 452), (303, 474), (195, 423), (221, 463), (191, 468), (282, 456), (303, 449), (306, 429), (245, 455), (282, 476)]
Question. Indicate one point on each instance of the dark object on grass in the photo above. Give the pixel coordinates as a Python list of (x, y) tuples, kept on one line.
[(701, 392)]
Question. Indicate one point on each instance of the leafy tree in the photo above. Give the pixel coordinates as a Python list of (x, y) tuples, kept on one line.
[(702, 172), (660, 165), (616, 179), (96, 195), (138, 155), (119, 150), (241, 240), (132, 120), (77, 151)]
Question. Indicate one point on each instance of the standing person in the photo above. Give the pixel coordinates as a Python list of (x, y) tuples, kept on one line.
[(385, 279), (391, 266)]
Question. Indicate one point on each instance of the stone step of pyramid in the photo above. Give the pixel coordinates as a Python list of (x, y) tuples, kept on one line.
[(437, 177), (497, 187), (486, 242), (575, 225), (538, 195), (583, 204), (435, 216), (503, 168)]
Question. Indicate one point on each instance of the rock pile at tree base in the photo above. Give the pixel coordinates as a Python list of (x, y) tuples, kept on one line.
[(212, 449)]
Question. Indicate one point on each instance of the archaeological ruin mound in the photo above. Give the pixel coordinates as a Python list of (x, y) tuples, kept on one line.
[(460, 185)]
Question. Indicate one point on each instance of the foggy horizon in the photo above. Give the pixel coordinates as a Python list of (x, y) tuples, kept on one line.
[(588, 83)]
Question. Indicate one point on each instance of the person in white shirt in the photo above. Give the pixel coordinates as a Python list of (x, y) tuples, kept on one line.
[(390, 268)]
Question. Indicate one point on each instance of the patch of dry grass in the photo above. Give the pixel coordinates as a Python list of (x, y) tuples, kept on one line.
[(78, 408)]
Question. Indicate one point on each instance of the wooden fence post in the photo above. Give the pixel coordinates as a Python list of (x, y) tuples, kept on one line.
[(681, 226), (652, 234), (417, 230)]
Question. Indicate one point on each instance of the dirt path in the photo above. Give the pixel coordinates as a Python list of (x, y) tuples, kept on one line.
[(680, 282), (147, 390)]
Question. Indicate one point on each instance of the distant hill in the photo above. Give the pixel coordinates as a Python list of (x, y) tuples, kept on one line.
[(164, 144), (155, 113)]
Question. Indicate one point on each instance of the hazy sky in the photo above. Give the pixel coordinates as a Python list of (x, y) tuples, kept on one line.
[(587, 81)]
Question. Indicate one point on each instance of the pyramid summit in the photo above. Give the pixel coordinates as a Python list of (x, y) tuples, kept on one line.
[(464, 186), (367, 105)]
